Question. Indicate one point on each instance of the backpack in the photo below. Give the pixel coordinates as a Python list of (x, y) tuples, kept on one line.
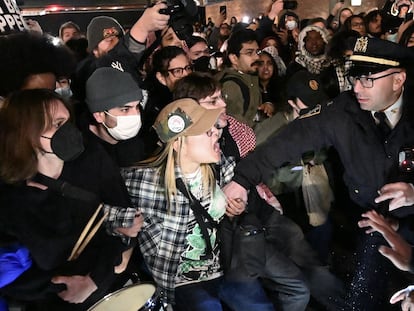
[(243, 88)]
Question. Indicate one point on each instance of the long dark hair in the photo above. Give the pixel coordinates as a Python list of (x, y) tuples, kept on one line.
[(276, 86), (406, 35), (23, 118)]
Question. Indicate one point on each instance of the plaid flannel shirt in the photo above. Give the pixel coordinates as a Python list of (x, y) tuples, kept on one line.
[(162, 238), (119, 217)]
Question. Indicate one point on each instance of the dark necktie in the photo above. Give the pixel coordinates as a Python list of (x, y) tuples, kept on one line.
[(382, 125)]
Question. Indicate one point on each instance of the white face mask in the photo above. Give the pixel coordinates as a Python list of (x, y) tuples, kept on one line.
[(65, 92), (126, 126), (290, 25)]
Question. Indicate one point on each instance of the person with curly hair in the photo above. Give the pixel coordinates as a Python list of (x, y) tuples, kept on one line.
[(30, 61)]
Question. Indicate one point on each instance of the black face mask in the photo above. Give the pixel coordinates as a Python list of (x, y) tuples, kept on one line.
[(202, 64), (67, 142)]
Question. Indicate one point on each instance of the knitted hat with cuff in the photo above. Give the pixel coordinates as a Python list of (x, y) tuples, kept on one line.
[(109, 88), (102, 27)]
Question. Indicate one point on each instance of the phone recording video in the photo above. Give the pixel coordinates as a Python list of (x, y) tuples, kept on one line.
[(223, 10)]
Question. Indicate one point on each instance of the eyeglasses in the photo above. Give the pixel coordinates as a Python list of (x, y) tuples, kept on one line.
[(251, 52), (213, 100), (367, 82), (178, 72)]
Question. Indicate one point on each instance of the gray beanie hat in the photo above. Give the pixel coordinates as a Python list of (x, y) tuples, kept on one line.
[(102, 27), (108, 88)]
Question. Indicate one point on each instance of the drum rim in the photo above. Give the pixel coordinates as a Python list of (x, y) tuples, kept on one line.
[(101, 300)]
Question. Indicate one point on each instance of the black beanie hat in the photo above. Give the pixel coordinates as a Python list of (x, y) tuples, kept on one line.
[(108, 88), (102, 27), (307, 87)]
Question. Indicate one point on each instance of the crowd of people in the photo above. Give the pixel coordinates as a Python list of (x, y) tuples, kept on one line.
[(261, 165)]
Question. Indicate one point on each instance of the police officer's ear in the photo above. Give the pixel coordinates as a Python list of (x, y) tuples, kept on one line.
[(399, 80)]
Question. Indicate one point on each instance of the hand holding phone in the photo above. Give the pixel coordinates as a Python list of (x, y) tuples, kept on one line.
[(223, 11)]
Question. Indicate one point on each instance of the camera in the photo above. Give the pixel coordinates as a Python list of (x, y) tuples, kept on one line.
[(182, 14), (171, 9), (182, 7), (290, 5)]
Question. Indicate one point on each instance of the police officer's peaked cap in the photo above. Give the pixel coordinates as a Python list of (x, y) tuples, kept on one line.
[(373, 55)]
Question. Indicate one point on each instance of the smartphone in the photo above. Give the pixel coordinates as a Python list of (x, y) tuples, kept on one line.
[(223, 10), (408, 17)]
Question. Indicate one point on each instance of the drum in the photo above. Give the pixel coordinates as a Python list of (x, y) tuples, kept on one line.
[(136, 297)]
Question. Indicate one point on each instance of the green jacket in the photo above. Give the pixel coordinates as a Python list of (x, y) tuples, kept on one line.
[(234, 98)]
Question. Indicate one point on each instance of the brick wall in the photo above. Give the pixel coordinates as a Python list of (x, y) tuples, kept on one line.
[(306, 8)]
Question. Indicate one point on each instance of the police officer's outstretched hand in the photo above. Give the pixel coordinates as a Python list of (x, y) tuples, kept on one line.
[(405, 295), (400, 251), (400, 193)]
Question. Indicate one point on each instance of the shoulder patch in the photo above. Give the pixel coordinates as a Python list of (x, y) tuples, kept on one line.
[(315, 111)]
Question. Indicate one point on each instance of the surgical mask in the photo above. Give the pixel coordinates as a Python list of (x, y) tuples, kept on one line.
[(290, 25), (392, 37), (65, 92), (126, 126), (66, 143)]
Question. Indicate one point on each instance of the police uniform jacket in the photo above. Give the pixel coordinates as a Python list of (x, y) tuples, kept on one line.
[(369, 160)]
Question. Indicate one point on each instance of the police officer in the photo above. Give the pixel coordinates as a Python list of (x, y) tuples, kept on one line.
[(368, 126)]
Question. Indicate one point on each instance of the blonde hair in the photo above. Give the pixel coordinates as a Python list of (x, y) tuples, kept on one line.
[(165, 162)]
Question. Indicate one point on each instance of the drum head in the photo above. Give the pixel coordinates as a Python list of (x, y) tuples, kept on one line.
[(130, 298)]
